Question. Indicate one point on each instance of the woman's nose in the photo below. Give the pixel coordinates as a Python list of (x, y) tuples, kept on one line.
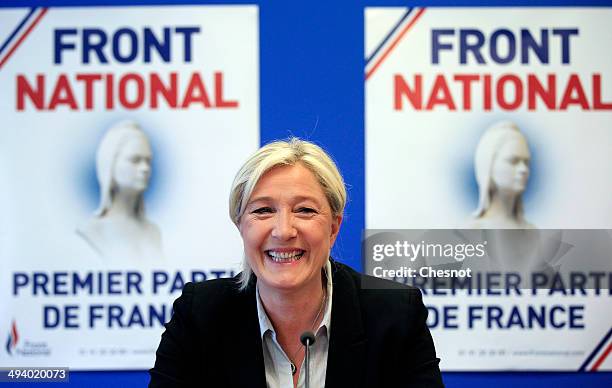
[(284, 228)]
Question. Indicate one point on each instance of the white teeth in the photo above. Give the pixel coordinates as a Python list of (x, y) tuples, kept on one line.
[(280, 257)]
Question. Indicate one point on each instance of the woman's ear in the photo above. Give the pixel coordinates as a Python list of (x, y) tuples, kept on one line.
[(335, 228)]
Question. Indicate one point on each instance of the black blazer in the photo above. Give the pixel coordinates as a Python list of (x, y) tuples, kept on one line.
[(378, 337)]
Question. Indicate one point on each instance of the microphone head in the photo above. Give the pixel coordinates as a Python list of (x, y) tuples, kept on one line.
[(307, 338)]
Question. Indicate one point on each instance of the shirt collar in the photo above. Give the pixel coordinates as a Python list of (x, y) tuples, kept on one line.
[(264, 322)]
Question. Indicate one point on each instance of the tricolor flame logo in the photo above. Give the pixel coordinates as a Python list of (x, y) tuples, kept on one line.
[(13, 338)]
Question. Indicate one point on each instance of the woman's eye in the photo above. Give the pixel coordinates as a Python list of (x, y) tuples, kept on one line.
[(307, 210), (262, 210)]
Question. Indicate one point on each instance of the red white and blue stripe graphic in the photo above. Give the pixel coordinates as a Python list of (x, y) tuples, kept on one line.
[(597, 357), (20, 33), (13, 338), (392, 39)]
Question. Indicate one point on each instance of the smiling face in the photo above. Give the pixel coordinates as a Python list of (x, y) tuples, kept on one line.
[(511, 166), (288, 229), (132, 168)]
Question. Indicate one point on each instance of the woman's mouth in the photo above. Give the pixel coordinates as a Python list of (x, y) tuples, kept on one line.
[(286, 256)]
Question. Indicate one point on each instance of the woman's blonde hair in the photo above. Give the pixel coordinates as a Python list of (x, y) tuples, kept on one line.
[(284, 153)]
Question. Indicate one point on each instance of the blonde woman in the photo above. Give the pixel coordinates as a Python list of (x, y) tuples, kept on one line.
[(287, 202)]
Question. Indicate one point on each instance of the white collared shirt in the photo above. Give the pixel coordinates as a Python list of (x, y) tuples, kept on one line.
[(277, 363)]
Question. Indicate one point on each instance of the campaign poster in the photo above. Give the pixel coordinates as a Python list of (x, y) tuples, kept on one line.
[(497, 118), (122, 129)]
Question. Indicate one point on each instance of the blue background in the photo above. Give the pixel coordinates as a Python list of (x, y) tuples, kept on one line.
[(312, 86)]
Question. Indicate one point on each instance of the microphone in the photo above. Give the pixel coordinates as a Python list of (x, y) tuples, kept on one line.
[(307, 339)]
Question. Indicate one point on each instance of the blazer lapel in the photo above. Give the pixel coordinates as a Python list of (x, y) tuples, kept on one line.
[(243, 352), (347, 344)]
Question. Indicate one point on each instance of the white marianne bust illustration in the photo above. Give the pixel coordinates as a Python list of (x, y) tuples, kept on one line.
[(501, 165), (119, 228)]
